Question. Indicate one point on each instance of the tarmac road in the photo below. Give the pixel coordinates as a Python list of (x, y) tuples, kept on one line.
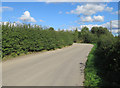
[(61, 67)]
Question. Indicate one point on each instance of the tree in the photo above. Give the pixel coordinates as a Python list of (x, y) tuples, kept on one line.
[(76, 35), (85, 29), (85, 34), (94, 30), (51, 28), (99, 31)]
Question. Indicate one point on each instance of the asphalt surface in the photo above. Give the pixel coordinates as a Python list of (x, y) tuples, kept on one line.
[(61, 67)]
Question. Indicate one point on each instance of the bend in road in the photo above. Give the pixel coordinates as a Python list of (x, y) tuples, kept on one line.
[(60, 67)]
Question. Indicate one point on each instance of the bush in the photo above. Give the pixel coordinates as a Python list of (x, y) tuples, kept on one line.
[(25, 38), (103, 64)]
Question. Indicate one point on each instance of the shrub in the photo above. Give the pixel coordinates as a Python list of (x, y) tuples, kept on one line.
[(25, 38)]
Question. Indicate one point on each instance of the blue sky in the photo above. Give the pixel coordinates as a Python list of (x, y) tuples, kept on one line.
[(61, 15)]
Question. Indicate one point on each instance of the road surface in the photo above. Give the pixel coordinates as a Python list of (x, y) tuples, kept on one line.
[(61, 67)]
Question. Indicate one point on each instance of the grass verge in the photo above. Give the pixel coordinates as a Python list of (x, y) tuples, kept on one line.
[(91, 77)]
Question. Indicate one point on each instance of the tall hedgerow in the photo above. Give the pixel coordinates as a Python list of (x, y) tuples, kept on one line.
[(26, 38)]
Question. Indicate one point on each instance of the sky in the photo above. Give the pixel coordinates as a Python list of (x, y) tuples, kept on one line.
[(63, 15), (60, 0)]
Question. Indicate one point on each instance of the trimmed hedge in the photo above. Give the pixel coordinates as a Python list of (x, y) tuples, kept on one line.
[(25, 38)]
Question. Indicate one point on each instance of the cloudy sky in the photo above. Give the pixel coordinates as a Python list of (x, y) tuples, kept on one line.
[(64, 15)]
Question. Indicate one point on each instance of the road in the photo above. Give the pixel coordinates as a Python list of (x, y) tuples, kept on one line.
[(61, 67)]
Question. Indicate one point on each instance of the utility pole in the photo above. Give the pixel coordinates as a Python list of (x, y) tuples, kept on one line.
[(119, 27), (111, 26)]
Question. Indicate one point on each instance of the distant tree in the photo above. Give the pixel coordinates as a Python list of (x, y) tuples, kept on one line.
[(85, 34), (85, 29), (99, 31), (51, 28), (94, 30), (76, 35)]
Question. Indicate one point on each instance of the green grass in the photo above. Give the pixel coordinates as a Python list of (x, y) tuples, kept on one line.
[(91, 77)]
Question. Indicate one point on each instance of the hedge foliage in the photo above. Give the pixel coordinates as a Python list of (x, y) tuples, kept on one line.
[(108, 53), (25, 38), (103, 65)]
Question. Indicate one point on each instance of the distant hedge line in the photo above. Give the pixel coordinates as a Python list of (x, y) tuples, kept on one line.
[(22, 39)]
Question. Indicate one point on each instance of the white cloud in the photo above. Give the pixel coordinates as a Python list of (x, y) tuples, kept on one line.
[(81, 26), (26, 17), (116, 31), (15, 23), (67, 12), (88, 9), (106, 24), (98, 18), (109, 9), (114, 24), (116, 12), (76, 0), (5, 8), (42, 21), (60, 12), (60, 0), (72, 28), (90, 19), (90, 26), (18, 22), (86, 19)]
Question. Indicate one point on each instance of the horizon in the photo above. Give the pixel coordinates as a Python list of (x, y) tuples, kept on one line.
[(65, 15)]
